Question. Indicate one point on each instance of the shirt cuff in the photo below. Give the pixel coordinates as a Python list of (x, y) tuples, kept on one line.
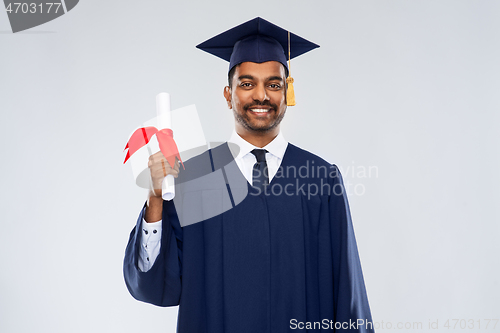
[(150, 244)]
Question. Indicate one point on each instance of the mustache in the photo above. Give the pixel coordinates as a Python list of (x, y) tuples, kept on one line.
[(258, 103)]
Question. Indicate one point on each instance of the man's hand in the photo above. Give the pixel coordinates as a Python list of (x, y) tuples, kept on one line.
[(160, 168)]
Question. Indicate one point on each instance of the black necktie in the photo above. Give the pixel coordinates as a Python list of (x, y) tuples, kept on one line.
[(260, 175)]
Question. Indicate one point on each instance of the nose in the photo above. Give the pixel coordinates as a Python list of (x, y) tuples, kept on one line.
[(260, 93)]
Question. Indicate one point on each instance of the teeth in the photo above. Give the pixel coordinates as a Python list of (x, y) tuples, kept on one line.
[(259, 110)]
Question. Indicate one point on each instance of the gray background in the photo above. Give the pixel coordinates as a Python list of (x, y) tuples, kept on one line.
[(410, 87)]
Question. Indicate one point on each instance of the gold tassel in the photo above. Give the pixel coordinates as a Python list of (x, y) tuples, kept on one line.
[(290, 94)]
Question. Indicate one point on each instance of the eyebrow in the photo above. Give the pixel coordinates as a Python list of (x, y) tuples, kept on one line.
[(275, 78), (250, 77)]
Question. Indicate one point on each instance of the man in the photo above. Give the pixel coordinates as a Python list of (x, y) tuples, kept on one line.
[(283, 257)]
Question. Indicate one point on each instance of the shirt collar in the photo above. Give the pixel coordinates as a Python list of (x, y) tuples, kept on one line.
[(277, 147)]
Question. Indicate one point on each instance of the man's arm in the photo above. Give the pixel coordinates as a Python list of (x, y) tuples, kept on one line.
[(154, 208), (160, 284), (350, 298), (151, 239)]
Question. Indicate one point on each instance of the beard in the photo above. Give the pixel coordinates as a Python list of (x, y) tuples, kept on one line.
[(243, 118)]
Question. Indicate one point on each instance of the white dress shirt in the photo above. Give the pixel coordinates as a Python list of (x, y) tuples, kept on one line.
[(151, 232)]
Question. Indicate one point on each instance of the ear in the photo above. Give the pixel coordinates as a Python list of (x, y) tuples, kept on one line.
[(227, 96)]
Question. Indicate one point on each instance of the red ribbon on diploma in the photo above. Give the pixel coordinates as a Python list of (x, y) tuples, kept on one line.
[(165, 138)]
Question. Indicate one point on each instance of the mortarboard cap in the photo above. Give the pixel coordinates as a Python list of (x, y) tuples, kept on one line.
[(258, 41)]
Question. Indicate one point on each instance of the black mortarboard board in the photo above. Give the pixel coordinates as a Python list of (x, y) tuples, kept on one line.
[(256, 41)]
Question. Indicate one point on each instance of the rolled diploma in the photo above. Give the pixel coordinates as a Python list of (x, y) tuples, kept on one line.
[(165, 121)]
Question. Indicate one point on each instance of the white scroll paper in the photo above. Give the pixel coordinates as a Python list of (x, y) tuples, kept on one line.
[(164, 117)]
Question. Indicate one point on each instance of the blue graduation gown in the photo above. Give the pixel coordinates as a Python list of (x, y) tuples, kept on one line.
[(274, 262)]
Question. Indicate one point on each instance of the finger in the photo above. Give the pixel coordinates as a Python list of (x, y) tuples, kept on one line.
[(158, 155), (167, 165), (163, 166), (160, 171)]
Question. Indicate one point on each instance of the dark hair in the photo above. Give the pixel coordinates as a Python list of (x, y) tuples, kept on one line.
[(230, 76)]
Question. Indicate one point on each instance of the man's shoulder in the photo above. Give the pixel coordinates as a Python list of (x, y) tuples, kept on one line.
[(316, 165), (299, 154)]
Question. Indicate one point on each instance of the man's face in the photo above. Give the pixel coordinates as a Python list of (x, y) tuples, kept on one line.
[(257, 96)]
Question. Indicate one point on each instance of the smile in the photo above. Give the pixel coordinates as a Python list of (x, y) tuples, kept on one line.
[(260, 110)]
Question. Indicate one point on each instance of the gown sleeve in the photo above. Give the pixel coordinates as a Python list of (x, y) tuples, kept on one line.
[(161, 285), (350, 299)]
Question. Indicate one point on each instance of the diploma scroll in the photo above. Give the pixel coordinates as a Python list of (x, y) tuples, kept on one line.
[(164, 117), (157, 134)]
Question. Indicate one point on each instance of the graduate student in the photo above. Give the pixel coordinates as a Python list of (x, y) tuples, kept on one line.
[(260, 240)]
